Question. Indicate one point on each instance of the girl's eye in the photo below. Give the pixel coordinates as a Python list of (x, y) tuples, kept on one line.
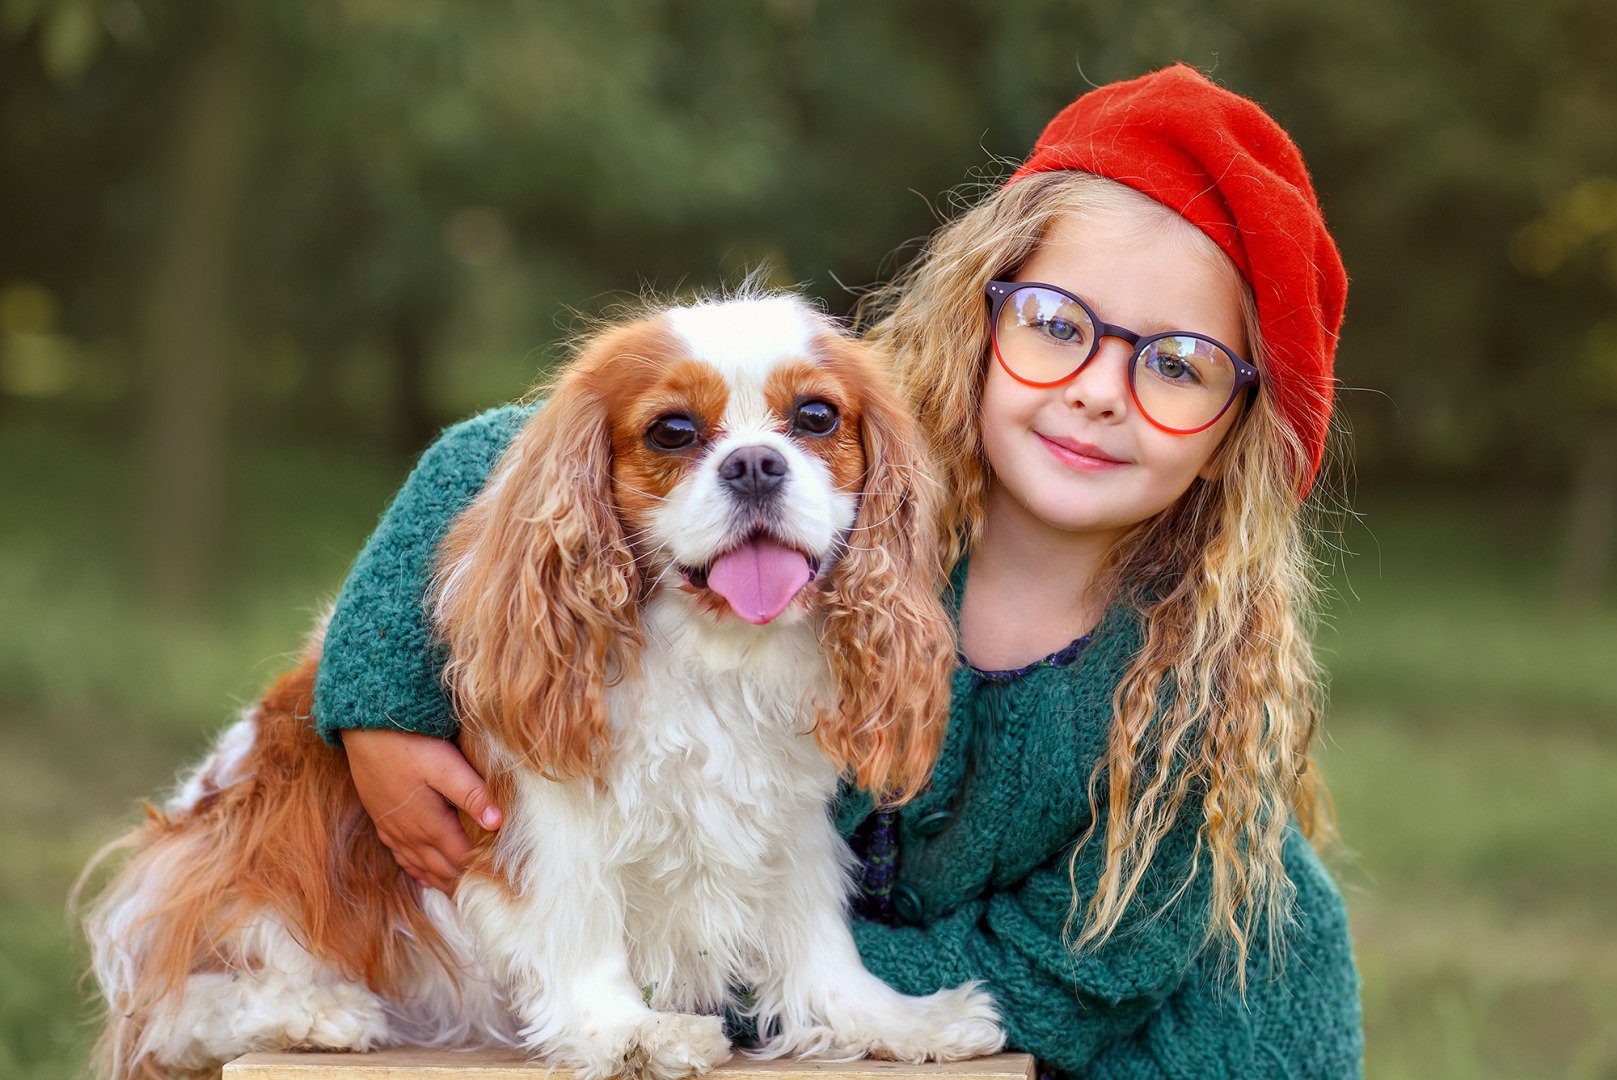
[(1061, 330), (1175, 369), (674, 432), (815, 417)]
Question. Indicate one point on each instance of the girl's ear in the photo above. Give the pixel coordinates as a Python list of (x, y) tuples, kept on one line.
[(883, 626), (536, 590)]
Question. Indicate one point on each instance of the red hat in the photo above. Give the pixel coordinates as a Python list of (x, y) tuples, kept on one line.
[(1223, 163)]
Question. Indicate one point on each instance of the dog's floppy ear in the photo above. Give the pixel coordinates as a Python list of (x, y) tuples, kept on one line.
[(536, 591), (890, 642)]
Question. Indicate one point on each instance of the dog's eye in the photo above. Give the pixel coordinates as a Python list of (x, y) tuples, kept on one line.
[(815, 417), (671, 433)]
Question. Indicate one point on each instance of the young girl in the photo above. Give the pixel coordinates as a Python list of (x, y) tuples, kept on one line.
[(1122, 358)]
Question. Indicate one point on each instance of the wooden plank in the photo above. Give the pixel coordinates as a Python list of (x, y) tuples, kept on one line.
[(411, 1064)]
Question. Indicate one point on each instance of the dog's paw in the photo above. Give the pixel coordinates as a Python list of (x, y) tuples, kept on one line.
[(949, 1025), (661, 1046), (670, 1046), (342, 1017), (223, 1015)]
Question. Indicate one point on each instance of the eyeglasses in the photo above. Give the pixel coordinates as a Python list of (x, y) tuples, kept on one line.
[(1181, 382)]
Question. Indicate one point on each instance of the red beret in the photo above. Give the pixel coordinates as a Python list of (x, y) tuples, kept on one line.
[(1227, 167)]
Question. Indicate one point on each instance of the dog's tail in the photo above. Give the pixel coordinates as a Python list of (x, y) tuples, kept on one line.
[(268, 827)]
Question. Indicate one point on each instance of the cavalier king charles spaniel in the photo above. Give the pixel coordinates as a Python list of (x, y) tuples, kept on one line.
[(699, 588)]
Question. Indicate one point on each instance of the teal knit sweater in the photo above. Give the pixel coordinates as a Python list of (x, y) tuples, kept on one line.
[(984, 851)]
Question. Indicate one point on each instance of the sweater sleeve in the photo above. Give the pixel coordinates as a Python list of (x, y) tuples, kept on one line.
[(380, 664), (1060, 1004)]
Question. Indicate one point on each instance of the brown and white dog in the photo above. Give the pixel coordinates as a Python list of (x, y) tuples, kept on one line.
[(701, 585)]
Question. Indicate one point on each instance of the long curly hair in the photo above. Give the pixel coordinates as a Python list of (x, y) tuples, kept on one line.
[(1222, 704)]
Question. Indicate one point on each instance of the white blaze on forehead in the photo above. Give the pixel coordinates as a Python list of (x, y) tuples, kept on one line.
[(743, 340)]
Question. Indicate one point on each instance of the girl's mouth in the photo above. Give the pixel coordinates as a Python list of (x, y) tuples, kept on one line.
[(1080, 455)]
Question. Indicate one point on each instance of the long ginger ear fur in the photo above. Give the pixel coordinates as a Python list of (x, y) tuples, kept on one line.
[(536, 590), (890, 642)]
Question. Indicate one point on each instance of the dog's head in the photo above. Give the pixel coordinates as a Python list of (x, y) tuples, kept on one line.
[(746, 460)]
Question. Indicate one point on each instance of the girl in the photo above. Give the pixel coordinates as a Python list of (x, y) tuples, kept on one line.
[(1122, 358)]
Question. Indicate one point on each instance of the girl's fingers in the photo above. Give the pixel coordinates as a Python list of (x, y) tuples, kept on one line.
[(404, 781), (426, 868), (439, 872), (429, 868), (434, 849), (408, 865), (439, 835), (456, 780)]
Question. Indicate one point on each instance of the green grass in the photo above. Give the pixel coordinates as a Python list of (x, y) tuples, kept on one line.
[(78, 636), (1472, 752), (1471, 747)]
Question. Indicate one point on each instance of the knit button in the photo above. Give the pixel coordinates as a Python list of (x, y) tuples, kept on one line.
[(907, 904), (933, 823)]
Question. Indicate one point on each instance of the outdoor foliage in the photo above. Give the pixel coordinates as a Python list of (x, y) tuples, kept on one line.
[(367, 218), (253, 253)]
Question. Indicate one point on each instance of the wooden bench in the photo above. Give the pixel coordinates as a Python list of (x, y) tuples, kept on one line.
[(511, 1065)]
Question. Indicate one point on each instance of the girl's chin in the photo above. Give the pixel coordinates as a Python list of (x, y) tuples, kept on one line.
[(1077, 516)]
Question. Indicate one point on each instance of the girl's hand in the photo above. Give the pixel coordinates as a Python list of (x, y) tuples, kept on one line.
[(410, 785)]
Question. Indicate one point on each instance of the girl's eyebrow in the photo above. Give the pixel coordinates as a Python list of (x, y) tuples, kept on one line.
[(1157, 326), (1146, 329), (1149, 327), (1152, 327)]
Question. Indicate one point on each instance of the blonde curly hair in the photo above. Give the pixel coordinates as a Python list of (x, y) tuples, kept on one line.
[(1224, 699)]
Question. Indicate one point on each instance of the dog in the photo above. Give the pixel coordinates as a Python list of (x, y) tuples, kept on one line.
[(700, 587)]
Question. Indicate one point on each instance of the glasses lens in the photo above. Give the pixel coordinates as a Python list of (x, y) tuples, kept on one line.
[(1043, 336), (1183, 382)]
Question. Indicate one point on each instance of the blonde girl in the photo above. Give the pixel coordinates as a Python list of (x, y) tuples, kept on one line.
[(1122, 358)]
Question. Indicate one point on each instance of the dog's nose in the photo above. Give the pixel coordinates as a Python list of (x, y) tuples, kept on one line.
[(753, 472)]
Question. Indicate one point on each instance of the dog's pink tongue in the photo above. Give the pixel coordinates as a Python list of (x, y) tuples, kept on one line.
[(759, 578)]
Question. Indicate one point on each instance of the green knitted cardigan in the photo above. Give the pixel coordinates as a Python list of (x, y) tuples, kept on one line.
[(985, 851)]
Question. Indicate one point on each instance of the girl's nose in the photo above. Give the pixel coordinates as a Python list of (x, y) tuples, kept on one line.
[(1101, 389)]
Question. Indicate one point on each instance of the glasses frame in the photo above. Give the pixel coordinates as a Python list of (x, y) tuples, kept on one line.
[(1000, 291)]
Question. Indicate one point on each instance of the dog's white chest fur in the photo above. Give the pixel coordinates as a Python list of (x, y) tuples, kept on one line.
[(713, 747), (713, 806)]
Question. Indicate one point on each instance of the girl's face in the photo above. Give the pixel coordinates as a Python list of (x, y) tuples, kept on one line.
[(1079, 457)]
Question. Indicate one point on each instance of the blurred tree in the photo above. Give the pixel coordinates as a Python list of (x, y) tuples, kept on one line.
[(429, 184), (188, 339)]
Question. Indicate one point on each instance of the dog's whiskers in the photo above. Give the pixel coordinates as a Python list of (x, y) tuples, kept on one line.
[(877, 524)]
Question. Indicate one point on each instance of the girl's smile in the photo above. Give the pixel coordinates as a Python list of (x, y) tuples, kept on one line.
[(1079, 458), (1080, 455)]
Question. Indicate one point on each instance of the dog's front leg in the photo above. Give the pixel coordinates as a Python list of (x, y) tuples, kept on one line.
[(548, 915), (815, 998)]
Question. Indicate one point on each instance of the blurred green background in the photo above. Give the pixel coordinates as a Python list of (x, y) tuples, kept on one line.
[(253, 254)]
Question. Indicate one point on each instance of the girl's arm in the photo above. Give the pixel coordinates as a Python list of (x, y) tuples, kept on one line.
[(1061, 1005), (1153, 1001), (378, 691)]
